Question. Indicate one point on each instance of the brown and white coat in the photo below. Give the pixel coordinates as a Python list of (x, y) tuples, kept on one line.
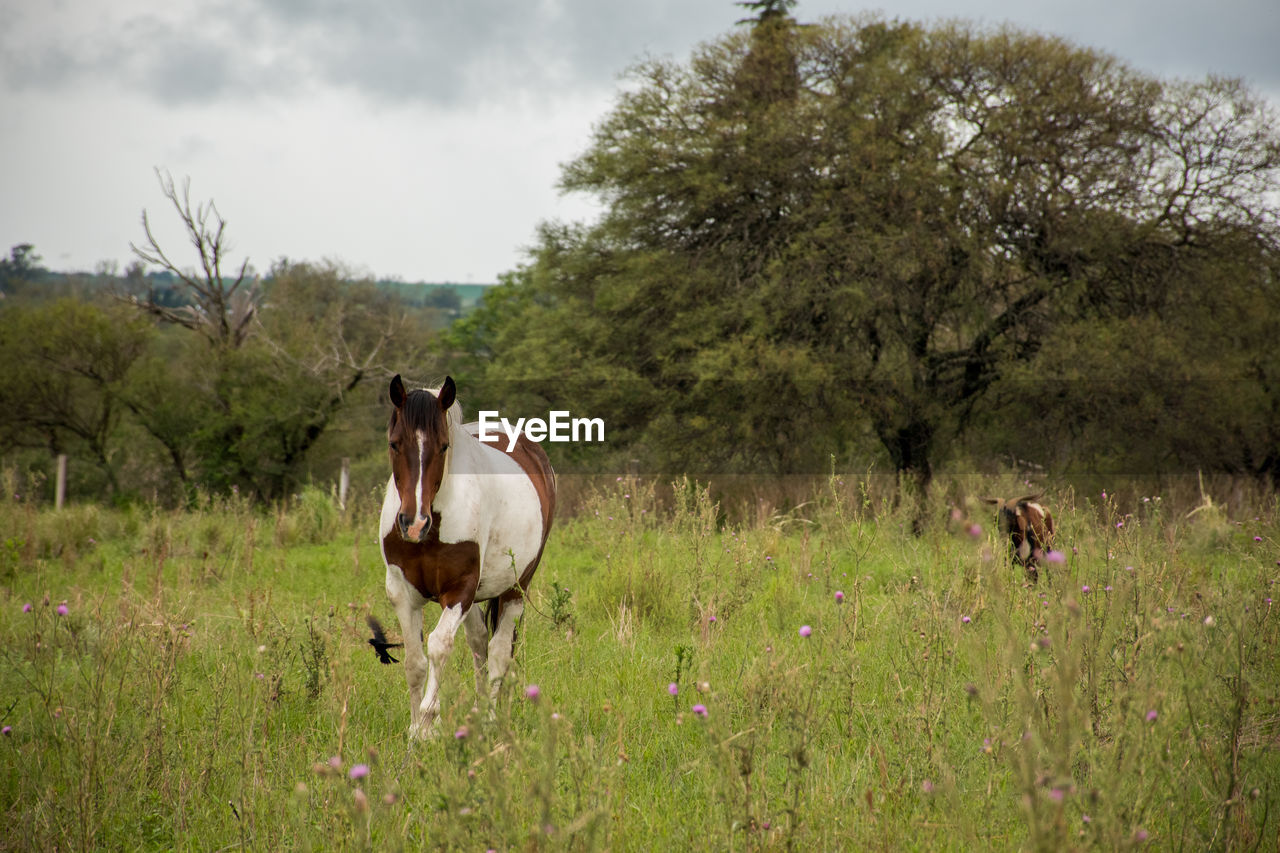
[(463, 522), (1029, 527)]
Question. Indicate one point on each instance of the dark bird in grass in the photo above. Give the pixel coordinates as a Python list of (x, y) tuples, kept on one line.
[(379, 641)]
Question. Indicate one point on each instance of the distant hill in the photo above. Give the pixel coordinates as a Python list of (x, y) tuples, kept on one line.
[(451, 298), (461, 297)]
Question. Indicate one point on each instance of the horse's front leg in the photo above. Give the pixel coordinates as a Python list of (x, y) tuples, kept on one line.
[(439, 645), (409, 614)]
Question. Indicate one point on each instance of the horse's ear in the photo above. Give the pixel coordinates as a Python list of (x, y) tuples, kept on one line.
[(448, 393), (397, 392), (991, 500)]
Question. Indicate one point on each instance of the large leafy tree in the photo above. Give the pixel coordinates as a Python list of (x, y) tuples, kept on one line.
[(66, 364), (815, 232)]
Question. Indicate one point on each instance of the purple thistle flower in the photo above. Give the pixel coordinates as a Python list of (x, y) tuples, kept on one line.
[(358, 771), (805, 630), (335, 762), (839, 597), (7, 731), (461, 733), (26, 608), (1151, 716), (1085, 589), (1055, 557), (965, 619), (975, 530), (532, 692), (673, 688), (700, 709), (62, 610), (1257, 539)]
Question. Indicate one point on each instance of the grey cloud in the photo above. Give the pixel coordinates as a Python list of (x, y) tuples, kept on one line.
[(441, 52), (448, 52)]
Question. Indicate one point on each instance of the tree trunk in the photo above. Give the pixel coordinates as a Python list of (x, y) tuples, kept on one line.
[(910, 448)]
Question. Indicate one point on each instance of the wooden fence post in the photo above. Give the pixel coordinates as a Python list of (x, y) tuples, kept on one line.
[(60, 484)]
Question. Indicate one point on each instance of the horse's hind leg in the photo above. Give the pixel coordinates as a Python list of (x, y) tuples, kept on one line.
[(502, 646), (478, 640)]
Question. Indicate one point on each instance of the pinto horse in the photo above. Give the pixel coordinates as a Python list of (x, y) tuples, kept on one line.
[(1029, 527), (464, 522)]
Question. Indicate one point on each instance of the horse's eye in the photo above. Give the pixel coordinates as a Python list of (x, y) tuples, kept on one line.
[(393, 445), (443, 449)]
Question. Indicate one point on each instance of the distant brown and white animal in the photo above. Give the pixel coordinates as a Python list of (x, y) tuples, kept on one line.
[(464, 522), (1029, 527)]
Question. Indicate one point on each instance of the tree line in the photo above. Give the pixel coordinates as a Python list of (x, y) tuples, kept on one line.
[(857, 239), (246, 384), (879, 241)]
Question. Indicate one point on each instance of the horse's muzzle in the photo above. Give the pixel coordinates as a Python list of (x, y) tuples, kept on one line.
[(410, 530)]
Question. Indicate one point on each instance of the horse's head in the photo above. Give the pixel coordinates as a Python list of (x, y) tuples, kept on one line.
[(417, 437)]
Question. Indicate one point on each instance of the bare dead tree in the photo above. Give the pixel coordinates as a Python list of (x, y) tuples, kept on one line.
[(224, 309)]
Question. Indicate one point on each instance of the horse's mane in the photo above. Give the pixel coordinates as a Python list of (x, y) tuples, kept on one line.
[(420, 407)]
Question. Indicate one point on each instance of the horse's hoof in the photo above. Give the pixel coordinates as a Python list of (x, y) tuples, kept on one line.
[(423, 731)]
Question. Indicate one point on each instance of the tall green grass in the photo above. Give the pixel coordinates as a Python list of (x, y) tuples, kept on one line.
[(200, 680)]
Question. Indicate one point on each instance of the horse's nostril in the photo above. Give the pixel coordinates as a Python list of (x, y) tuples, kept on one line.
[(405, 521)]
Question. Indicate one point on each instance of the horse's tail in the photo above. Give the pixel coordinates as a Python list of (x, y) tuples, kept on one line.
[(491, 610)]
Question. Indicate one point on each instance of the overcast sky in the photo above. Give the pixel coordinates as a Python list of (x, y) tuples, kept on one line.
[(419, 139)]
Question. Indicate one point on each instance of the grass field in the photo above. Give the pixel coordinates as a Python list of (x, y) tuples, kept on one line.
[(200, 680)]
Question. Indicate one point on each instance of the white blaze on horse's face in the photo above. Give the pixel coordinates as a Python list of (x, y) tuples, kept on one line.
[(417, 438)]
